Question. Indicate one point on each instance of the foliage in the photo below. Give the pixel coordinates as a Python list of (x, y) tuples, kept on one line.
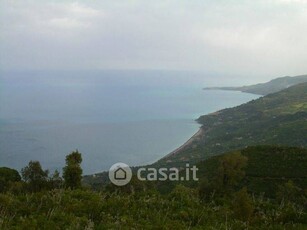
[(266, 170), (72, 172), (139, 205), (226, 175), (35, 177), (243, 205), (230, 171), (289, 192), (8, 176), (56, 181), (181, 209), (275, 119)]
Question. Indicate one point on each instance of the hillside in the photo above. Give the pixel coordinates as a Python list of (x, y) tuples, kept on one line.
[(232, 193), (267, 168), (272, 86), (275, 119)]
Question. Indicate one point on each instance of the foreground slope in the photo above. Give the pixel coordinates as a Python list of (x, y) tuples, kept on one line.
[(275, 119), (267, 168), (272, 86)]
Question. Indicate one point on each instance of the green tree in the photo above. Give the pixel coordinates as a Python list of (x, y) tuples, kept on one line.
[(243, 207), (35, 176), (56, 181), (72, 172), (289, 192), (8, 176), (225, 177), (230, 171)]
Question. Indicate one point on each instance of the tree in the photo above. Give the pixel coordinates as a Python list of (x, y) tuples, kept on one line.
[(227, 174), (35, 176), (230, 171), (289, 192), (8, 176), (72, 172), (56, 181), (243, 207)]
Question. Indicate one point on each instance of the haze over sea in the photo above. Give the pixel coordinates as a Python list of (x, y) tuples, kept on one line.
[(135, 117)]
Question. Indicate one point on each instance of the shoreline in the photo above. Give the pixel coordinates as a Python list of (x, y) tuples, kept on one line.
[(201, 130), (185, 144)]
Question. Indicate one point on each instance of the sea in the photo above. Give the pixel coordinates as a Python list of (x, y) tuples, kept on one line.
[(130, 116)]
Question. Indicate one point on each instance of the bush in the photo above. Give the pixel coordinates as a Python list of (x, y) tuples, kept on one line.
[(242, 205)]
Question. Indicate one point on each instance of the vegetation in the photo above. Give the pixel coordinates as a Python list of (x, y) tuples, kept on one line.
[(226, 173), (227, 197), (275, 119), (34, 176), (72, 172), (181, 209), (267, 170), (7, 177), (243, 206)]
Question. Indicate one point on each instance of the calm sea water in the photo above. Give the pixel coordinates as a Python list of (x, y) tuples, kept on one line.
[(135, 117)]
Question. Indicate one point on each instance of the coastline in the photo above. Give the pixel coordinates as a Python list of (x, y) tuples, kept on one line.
[(185, 144), (200, 132)]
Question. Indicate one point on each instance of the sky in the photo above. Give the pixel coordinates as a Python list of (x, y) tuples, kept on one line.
[(247, 38)]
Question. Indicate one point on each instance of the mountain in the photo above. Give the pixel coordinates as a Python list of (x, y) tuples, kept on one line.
[(272, 86), (276, 119)]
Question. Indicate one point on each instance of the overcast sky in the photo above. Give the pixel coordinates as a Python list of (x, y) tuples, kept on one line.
[(221, 36)]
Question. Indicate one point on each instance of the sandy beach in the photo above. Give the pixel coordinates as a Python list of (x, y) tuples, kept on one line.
[(188, 142)]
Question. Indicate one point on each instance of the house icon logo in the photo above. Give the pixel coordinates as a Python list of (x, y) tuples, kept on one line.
[(120, 174)]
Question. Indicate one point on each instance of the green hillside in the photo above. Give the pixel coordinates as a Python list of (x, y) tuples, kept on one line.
[(272, 86), (267, 168), (228, 196), (275, 119)]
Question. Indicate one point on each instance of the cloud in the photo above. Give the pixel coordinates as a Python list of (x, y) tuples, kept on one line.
[(30, 17), (237, 37), (71, 16), (292, 1)]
